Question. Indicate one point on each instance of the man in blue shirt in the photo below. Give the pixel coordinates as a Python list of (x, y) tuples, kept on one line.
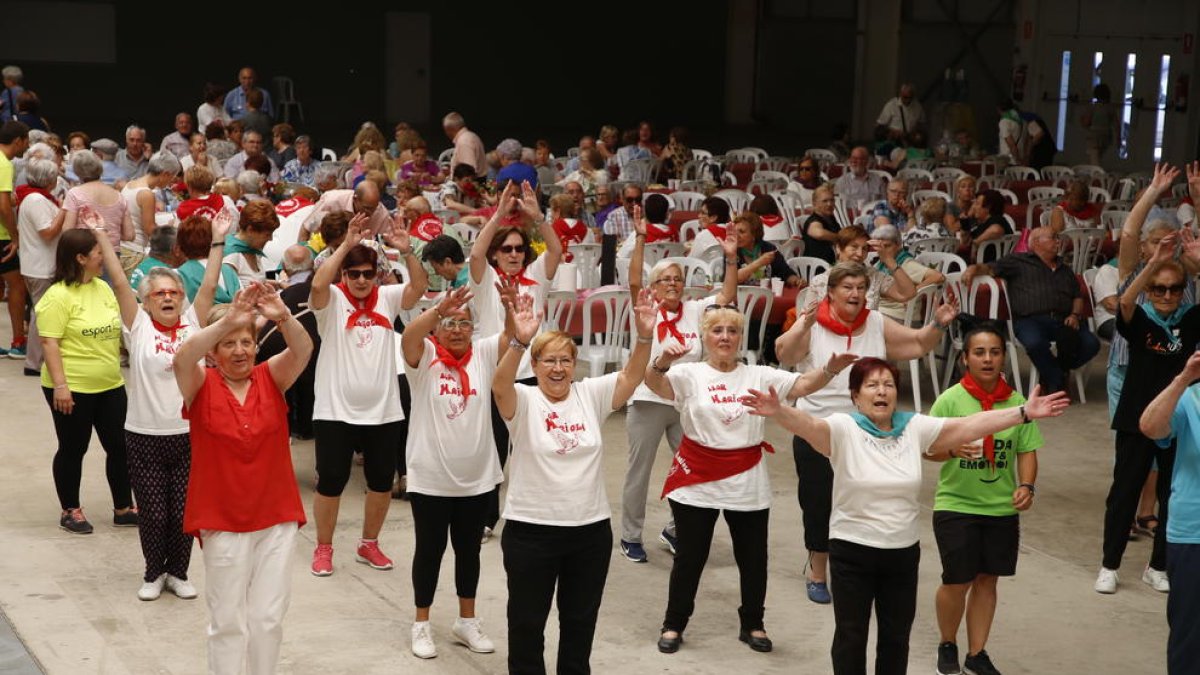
[(511, 166), (235, 100), (1174, 416)]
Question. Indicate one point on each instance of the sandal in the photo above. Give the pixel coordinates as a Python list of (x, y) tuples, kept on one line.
[(1146, 525)]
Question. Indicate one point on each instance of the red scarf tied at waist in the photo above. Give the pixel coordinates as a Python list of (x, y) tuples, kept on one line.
[(826, 318), (987, 401), (669, 326), (458, 364), (694, 464), (24, 191), (364, 308)]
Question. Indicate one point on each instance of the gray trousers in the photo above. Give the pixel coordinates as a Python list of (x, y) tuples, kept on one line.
[(646, 423), (33, 346)]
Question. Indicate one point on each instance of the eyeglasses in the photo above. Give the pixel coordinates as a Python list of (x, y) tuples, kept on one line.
[(508, 248), (714, 307), (669, 280), (459, 324), (562, 362), (633, 200), (1158, 290), (166, 293), (354, 275)]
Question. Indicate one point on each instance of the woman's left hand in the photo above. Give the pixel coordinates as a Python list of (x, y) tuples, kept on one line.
[(526, 322), (947, 311), (1039, 406), (270, 305), (763, 404), (729, 243), (222, 223), (839, 362), (1022, 499), (529, 202), (398, 238), (645, 312)]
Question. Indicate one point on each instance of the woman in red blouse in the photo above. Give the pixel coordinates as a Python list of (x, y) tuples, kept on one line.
[(242, 502)]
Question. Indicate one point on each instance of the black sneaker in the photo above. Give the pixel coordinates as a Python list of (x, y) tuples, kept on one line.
[(948, 659), (127, 519), (979, 664), (73, 521)]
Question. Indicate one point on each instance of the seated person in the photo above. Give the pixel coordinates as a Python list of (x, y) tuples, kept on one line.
[(444, 255), (1075, 210), (773, 225), (887, 241), (821, 228), (564, 218), (985, 222), (852, 245), (1105, 299), (714, 219), (895, 209), (1046, 304), (931, 222), (758, 259), (420, 168), (656, 212), (460, 192), (244, 249)]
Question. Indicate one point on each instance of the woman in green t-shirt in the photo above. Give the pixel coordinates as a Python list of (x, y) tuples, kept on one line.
[(80, 328), (977, 501)]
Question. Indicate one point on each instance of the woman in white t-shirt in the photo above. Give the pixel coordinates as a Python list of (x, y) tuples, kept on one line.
[(40, 228), (876, 453), (156, 435), (842, 321), (357, 406), (649, 416), (451, 457), (503, 251), (718, 467), (557, 531)]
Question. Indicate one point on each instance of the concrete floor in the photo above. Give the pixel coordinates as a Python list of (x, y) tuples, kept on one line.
[(71, 599)]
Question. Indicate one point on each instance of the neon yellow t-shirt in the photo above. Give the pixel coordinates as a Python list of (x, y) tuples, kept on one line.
[(6, 185), (87, 322)]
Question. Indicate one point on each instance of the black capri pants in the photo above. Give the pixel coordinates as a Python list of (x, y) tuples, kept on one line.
[(335, 446)]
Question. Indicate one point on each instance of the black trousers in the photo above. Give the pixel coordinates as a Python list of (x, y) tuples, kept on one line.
[(1183, 608), (158, 471), (105, 411), (694, 527), (815, 492), (1134, 459), (434, 518), (402, 432), (537, 558), (862, 577)]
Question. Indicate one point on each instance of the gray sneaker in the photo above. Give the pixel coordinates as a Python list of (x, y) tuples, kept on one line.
[(75, 522)]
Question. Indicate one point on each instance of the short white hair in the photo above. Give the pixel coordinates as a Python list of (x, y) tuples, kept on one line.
[(41, 173), (453, 120), (13, 73), (132, 128), (250, 181), (40, 150)]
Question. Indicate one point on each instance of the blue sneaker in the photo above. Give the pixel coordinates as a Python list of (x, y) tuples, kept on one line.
[(669, 540), (17, 352), (818, 592), (633, 551)]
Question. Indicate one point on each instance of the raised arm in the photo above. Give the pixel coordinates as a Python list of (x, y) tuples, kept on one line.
[(483, 241), (287, 365), (1164, 252), (800, 423), (656, 379), (554, 248), (638, 257), (815, 380), (397, 237), (728, 293), (412, 341), (1155, 422), (905, 344), (525, 326), (126, 298), (1131, 231), (325, 275), (792, 347), (634, 371), (957, 431), (188, 366), (206, 295)]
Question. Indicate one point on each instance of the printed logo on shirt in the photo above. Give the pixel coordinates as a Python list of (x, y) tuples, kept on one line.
[(565, 434), (110, 332), (990, 474), (163, 344), (731, 405), (1162, 347), (448, 385)]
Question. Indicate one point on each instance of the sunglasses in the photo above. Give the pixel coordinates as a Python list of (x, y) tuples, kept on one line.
[(1158, 290), (460, 324), (508, 248), (166, 293), (354, 275), (714, 307)]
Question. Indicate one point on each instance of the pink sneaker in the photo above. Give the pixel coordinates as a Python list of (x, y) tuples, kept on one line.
[(322, 564), (369, 553)]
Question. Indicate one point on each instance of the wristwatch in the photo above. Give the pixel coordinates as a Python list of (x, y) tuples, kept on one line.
[(1028, 486)]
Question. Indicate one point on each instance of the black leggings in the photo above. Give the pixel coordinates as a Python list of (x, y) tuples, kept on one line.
[(402, 431), (1135, 457), (433, 516), (694, 528), (335, 446), (106, 412), (864, 578), (815, 492)]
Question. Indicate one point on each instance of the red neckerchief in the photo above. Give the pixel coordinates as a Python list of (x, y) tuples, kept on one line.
[(670, 326), (987, 401), (364, 308), (694, 464), (518, 279), (770, 220), (1088, 211), (667, 233), (426, 227), (24, 191), (287, 207), (172, 331), (718, 231), (569, 234), (825, 318), (448, 360)]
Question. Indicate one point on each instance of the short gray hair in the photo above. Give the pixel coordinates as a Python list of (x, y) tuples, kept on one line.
[(250, 182), (886, 233), (164, 162), (12, 73), (454, 120), (41, 173), (40, 151), (325, 171), (1156, 225), (509, 148), (87, 166), (132, 128), (162, 240), (38, 135), (293, 266), (160, 273), (844, 270), (661, 268)]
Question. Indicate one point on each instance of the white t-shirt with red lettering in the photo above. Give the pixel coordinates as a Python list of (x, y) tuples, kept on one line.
[(450, 451), (554, 474), (712, 414), (155, 403), (356, 369)]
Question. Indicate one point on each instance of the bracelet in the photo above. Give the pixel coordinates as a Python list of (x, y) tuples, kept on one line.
[(516, 344), (1028, 486), (827, 371), (437, 309), (661, 371), (1024, 415), (731, 261), (645, 340), (286, 317), (216, 244)]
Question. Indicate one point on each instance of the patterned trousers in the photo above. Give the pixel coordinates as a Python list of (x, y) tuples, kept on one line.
[(158, 471)]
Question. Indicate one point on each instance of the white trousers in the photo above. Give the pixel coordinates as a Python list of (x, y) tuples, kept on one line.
[(247, 585)]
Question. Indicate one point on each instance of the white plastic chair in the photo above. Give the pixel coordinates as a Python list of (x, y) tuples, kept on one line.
[(918, 313), (776, 163), (639, 171), (737, 199), (1001, 247), (741, 156), (823, 156), (1089, 171), (789, 204), (792, 248), (948, 173), (969, 304), (1055, 173), (1044, 193), (1022, 173), (945, 263), (881, 174), (688, 230), (662, 249), (606, 342), (687, 201), (444, 156), (913, 174), (587, 264), (919, 196), (1009, 195), (749, 298), (701, 154), (465, 232), (694, 269), (560, 308), (762, 186), (769, 174), (807, 267), (1085, 244), (1033, 372), (328, 155), (623, 272), (1098, 195), (934, 245), (1114, 221)]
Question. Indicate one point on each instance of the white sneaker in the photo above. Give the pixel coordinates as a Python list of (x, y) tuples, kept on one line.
[(422, 640), (152, 589), (469, 632), (1157, 579), (182, 588), (1106, 581), (487, 534)]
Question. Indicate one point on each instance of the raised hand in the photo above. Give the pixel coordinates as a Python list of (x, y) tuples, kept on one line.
[(356, 231), (762, 403), (526, 322), (1191, 245), (839, 362), (1193, 177), (809, 317), (948, 310), (645, 313), (1191, 370), (887, 254), (505, 201), (90, 219), (1166, 248), (508, 290), (1164, 175), (398, 238), (1038, 406), (222, 223), (241, 310), (729, 243), (672, 352), (452, 303), (270, 305), (529, 202)]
